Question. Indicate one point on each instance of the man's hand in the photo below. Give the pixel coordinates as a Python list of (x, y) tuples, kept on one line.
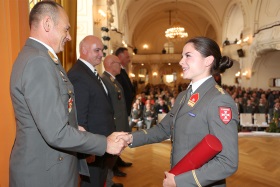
[(115, 146), (169, 181), (81, 128), (128, 138)]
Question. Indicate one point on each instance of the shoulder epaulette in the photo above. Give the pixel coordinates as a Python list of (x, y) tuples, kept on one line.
[(220, 89)]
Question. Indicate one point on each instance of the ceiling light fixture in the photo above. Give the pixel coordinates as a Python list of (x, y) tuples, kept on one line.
[(176, 32)]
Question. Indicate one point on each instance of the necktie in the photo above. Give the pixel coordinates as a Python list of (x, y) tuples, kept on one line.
[(100, 80), (97, 75), (189, 93)]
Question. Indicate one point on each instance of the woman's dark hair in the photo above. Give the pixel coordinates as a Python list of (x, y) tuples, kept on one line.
[(208, 47), (43, 8)]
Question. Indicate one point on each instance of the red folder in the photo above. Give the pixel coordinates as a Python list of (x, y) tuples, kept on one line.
[(204, 151)]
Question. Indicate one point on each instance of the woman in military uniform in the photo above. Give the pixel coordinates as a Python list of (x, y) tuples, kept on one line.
[(209, 110)]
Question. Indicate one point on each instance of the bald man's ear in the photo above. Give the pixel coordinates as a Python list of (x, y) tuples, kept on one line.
[(47, 23), (83, 50)]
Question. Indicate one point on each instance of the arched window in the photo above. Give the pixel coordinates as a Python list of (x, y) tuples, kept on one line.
[(169, 47)]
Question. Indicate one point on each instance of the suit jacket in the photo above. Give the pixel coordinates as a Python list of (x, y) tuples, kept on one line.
[(95, 112), (129, 93), (214, 112), (47, 139), (116, 94)]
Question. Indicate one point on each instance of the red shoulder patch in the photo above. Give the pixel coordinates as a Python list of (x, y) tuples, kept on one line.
[(225, 114)]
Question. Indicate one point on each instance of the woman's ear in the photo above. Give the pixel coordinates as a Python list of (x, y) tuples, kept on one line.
[(209, 60)]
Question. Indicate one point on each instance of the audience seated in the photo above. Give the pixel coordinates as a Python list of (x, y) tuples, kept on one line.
[(161, 98)]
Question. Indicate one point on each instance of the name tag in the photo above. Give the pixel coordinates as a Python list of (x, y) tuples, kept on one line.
[(191, 114)]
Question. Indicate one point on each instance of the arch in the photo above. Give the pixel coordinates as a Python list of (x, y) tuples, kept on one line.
[(144, 16), (234, 23), (263, 66)]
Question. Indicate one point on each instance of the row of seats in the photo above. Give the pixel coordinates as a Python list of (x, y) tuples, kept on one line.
[(257, 120)]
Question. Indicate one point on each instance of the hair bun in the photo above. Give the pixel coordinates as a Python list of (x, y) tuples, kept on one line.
[(225, 63)]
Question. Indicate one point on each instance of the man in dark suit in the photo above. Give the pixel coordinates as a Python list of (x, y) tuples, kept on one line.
[(112, 67), (129, 95), (94, 109), (123, 78), (47, 136)]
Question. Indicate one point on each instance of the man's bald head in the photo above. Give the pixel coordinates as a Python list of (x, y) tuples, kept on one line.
[(91, 49), (112, 64)]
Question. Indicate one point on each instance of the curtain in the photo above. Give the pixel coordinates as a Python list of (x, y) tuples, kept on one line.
[(13, 34)]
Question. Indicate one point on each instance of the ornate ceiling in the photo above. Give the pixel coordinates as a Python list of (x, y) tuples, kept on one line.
[(148, 19)]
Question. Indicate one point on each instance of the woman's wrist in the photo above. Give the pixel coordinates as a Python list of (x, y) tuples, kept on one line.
[(130, 139)]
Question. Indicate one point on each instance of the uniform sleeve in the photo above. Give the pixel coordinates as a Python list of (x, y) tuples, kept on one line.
[(160, 132), (222, 119), (42, 93)]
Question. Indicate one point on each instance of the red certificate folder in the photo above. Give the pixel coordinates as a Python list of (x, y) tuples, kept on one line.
[(204, 151)]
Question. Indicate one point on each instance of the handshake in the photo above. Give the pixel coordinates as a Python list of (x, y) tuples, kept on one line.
[(117, 142)]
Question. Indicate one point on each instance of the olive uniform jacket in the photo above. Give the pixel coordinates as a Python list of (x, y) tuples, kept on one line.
[(210, 110), (47, 138), (116, 94)]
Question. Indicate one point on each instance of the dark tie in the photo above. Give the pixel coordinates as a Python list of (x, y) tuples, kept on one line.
[(100, 80), (97, 75)]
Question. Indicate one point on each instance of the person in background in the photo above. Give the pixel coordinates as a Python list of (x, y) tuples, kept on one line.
[(136, 117), (94, 108), (149, 115), (47, 135), (123, 78), (129, 95), (161, 107), (112, 66), (204, 108)]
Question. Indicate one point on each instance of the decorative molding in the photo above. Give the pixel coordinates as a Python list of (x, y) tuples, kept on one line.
[(267, 40)]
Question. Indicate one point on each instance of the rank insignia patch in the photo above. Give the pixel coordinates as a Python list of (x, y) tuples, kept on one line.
[(193, 99), (225, 114)]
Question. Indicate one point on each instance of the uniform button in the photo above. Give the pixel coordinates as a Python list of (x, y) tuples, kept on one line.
[(60, 158), (114, 118)]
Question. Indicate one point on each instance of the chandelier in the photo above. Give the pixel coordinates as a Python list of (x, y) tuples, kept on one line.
[(176, 32)]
